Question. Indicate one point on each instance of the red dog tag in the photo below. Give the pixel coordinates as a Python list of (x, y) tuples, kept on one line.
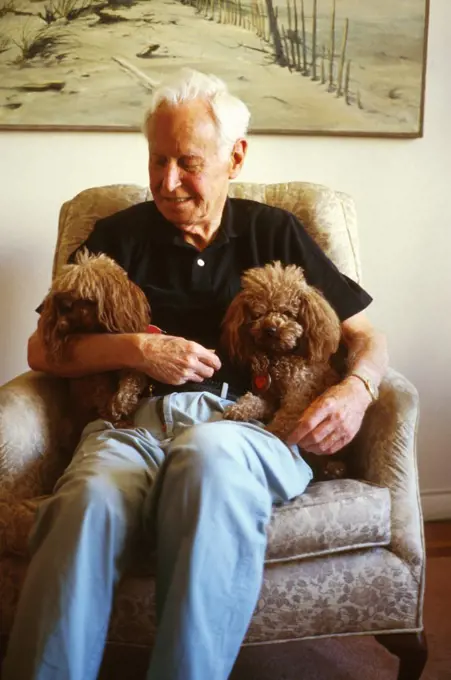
[(262, 383), (153, 329)]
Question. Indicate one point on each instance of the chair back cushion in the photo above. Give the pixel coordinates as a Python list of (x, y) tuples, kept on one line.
[(328, 215)]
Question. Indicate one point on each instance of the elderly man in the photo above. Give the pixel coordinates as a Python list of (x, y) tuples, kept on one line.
[(198, 487)]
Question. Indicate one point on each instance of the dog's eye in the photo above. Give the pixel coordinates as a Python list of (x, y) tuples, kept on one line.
[(65, 305), (255, 315)]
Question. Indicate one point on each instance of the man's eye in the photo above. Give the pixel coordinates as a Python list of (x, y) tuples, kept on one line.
[(190, 163)]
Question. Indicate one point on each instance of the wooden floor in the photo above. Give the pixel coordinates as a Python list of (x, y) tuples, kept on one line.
[(438, 539)]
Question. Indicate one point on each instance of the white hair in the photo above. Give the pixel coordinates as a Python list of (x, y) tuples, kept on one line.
[(230, 115)]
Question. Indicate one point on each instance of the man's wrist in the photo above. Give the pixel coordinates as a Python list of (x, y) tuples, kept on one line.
[(366, 385), (129, 349)]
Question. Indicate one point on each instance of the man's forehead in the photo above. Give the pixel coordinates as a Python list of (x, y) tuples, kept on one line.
[(176, 148), (171, 147), (185, 129)]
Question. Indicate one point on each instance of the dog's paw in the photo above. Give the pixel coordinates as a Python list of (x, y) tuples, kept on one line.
[(334, 469), (234, 412), (124, 424)]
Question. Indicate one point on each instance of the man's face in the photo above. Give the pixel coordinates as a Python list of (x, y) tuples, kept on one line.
[(189, 178)]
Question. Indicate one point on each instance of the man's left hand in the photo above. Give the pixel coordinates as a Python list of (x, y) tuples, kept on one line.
[(333, 419)]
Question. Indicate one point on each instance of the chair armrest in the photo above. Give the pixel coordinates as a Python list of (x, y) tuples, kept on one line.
[(34, 448), (386, 455)]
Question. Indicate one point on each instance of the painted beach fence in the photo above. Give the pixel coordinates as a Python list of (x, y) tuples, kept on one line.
[(346, 67)]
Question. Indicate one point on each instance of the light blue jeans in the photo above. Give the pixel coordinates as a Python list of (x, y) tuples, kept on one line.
[(199, 487)]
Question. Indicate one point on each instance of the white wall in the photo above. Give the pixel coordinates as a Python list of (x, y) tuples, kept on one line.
[(403, 193)]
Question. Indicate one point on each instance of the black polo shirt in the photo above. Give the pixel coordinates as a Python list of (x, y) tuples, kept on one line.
[(189, 291)]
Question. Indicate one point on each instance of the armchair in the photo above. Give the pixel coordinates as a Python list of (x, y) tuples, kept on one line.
[(346, 558)]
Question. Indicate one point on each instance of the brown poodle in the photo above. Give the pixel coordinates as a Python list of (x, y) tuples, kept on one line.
[(95, 295), (286, 332)]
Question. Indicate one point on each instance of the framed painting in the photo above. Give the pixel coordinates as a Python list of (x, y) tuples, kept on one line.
[(340, 67)]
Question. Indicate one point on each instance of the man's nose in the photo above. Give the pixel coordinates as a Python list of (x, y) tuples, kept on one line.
[(171, 178)]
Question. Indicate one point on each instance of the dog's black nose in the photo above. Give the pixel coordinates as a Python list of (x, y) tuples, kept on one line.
[(271, 330)]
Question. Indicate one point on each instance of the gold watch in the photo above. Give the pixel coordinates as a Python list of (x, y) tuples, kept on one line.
[(371, 387)]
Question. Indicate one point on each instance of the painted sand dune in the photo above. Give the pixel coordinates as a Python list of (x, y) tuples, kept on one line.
[(338, 66)]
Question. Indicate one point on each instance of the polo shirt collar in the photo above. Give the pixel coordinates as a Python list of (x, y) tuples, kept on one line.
[(167, 232)]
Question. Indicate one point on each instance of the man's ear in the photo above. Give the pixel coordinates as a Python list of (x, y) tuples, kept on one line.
[(237, 158)]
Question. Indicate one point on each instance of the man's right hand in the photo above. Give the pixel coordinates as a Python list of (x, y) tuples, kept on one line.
[(173, 360)]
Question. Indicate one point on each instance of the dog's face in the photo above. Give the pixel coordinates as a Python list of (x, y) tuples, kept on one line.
[(94, 295), (277, 312), (272, 321), (76, 315)]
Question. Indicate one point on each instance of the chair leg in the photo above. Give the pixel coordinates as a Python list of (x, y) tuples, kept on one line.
[(412, 651)]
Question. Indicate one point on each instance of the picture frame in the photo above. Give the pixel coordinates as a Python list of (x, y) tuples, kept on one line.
[(304, 67)]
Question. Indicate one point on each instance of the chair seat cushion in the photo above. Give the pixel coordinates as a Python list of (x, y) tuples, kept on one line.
[(330, 517)]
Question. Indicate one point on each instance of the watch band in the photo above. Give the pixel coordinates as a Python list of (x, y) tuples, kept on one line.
[(369, 384)]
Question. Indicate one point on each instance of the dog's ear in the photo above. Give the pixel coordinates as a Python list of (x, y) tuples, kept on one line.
[(234, 337), (82, 256), (122, 307), (322, 329), (53, 342), (142, 312)]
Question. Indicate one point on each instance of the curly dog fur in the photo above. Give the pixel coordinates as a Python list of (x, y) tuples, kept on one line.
[(95, 295), (286, 332)]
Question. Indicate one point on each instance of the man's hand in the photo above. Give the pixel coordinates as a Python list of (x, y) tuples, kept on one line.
[(174, 360), (333, 419)]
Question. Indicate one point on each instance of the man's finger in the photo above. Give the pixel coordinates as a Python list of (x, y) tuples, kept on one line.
[(318, 450), (333, 445), (203, 370), (209, 358), (194, 378), (309, 420), (318, 435)]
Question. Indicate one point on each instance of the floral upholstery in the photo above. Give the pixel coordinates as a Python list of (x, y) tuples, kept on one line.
[(347, 557), (354, 592), (329, 216), (331, 517)]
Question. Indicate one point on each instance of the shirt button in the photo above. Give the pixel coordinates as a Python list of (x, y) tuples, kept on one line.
[(201, 262)]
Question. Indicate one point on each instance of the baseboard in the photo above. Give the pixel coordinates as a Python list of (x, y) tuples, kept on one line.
[(436, 504)]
